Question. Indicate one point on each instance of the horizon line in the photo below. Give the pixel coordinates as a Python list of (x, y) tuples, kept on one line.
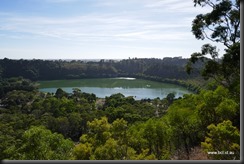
[(179, 57)]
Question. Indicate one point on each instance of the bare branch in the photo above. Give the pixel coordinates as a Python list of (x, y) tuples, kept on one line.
[(236, 27), (227, 23), (211, 4), (206, 36), (210, 29)]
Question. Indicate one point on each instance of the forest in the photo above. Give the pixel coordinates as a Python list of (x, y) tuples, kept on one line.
[(79, 126), (170, 70)]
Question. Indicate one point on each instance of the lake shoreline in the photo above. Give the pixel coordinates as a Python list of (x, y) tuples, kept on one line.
[(103, 87)]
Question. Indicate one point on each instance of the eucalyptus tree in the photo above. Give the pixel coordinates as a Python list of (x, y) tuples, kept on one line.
[(220, 25), (39, 143)]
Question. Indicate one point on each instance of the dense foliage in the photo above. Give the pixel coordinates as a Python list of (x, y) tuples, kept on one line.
[(221, 25), (80, 126), (169, 70), (36, 125)]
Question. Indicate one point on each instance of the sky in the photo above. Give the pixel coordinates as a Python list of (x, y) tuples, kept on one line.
[(98, 29)]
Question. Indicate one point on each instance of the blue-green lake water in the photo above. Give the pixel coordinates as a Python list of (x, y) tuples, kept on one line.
[(102, 87)]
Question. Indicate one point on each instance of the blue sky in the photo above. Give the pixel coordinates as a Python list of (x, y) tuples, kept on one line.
[(98, 29)]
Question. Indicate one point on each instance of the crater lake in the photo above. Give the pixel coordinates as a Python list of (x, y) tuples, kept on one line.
[(102, 87)]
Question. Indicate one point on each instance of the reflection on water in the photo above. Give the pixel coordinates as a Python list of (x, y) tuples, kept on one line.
[(128, 86), (137, 93), (125, 78)]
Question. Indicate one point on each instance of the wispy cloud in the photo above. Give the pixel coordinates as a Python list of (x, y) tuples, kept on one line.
[(92, 27), (132, 25), (174, 6), (145, 25)]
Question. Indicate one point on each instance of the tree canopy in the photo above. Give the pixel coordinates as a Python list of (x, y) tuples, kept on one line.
[(221, 24), (81, 126)]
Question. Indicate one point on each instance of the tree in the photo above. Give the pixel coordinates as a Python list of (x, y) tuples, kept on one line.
[(114, 100), (75, 126), (105, 141), (170, 97), (99, 130), (119, 129), (156, 135), (221, 25), (82, 151), (60, 93), (7, 138), (108, 151), (223, 140), (223, 22), (39, 143), (216, 106)]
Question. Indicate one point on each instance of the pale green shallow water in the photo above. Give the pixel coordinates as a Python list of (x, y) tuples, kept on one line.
[(103, 87)]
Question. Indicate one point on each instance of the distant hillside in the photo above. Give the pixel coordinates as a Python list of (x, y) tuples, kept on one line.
[(171, 68)]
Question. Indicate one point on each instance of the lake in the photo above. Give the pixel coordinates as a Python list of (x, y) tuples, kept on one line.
[(102, 87)]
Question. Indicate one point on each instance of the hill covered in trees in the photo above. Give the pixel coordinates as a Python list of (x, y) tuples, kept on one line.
[(78, 126), (171, 68)]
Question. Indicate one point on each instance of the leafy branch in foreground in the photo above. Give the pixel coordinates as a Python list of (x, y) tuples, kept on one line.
[(221, 25)]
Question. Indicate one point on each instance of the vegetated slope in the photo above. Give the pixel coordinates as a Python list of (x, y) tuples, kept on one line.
[(59, 126), (196, 126), (172, 68)]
